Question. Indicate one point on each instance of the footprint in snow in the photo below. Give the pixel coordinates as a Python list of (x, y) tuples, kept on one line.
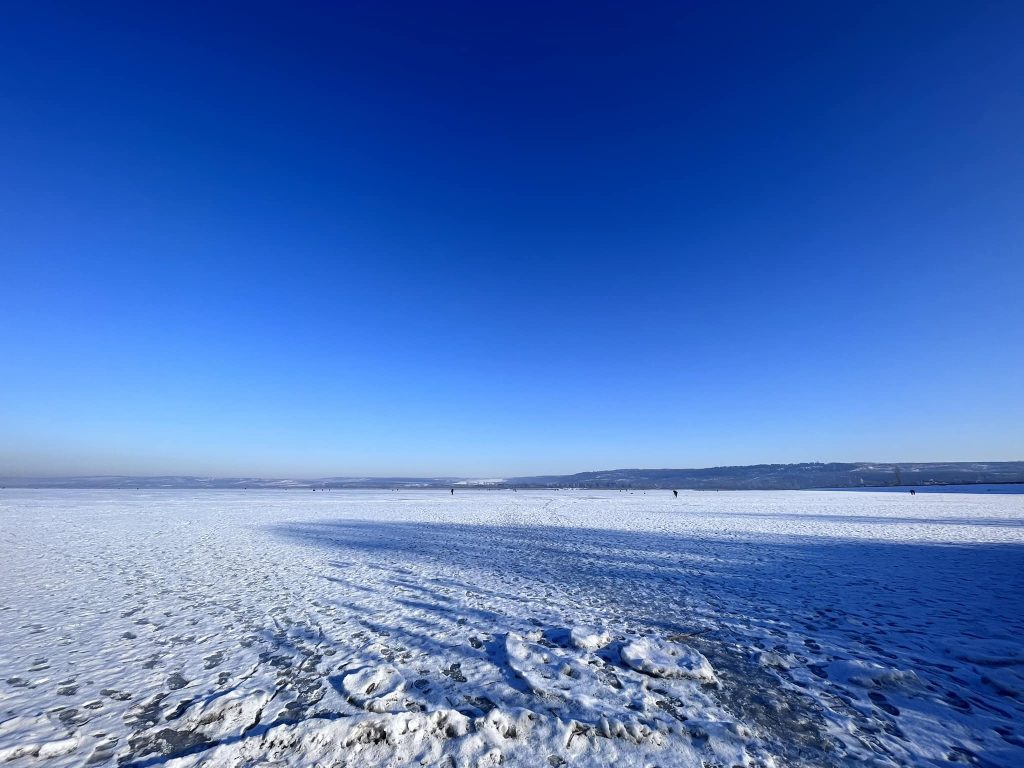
[(455, 673), (213, 660), (176, 681), (882, 703)]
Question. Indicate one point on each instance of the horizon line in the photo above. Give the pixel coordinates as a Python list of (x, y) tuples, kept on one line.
[(102, 475)]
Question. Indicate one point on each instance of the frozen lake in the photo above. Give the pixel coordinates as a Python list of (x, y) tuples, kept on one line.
[(231, 628)]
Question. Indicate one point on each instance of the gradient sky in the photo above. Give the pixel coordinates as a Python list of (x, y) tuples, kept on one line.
[(492, 239)]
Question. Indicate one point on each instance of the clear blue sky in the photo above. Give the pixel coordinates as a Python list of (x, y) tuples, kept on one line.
[(504, 238)]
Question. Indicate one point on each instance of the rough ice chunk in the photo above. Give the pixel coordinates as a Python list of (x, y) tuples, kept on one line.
[(589, 638), (660, 658)]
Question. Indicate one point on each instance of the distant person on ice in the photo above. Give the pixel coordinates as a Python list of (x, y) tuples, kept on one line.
[(675, 494), (453, 491)]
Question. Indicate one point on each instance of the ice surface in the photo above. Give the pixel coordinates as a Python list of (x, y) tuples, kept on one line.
[(362, 628)]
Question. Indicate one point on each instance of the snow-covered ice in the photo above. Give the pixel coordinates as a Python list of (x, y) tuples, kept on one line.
[(362, 628)]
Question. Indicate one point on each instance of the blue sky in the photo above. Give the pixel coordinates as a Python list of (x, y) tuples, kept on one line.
[(492, 239)]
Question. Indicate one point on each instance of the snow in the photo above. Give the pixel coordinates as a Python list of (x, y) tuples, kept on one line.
[(363, 628)]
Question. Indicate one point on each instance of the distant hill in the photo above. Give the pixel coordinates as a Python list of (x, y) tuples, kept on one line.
[(788, 476), (753, 477)]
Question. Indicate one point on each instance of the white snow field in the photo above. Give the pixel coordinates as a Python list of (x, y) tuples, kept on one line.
[(379, 628)]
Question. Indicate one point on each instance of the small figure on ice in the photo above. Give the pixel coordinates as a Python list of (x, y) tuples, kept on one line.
[(453, 491), (675, 493)]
